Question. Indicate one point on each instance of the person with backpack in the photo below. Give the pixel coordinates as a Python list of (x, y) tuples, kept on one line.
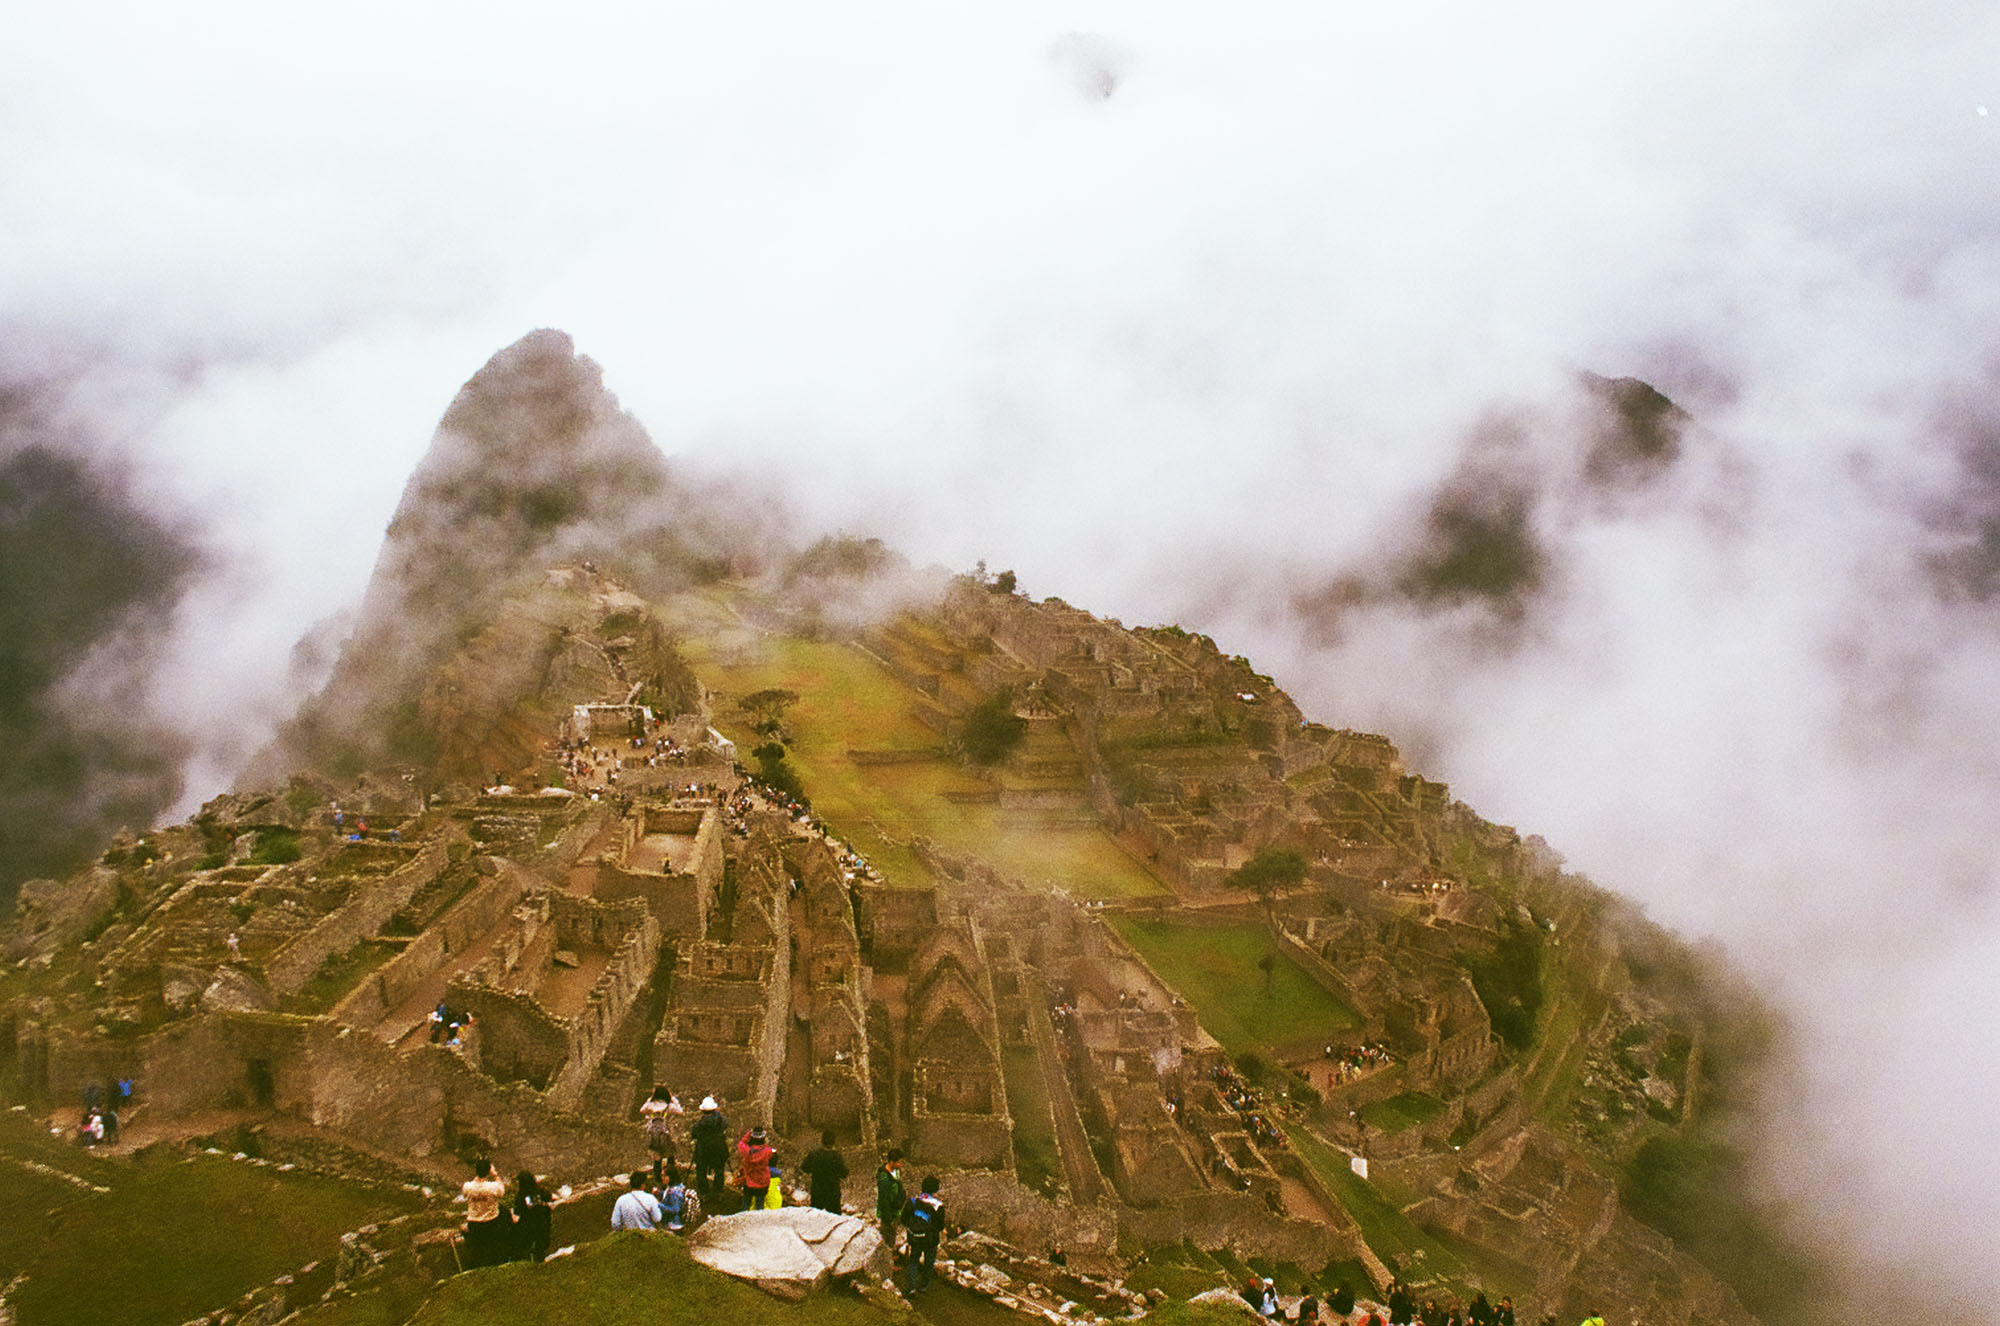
[(674, 1203), (923, 1220), (657, 1115)]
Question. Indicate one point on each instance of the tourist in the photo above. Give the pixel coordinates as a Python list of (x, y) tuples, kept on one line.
[(485, 1223), (533, 1217), (1267, 1299), (825, 1172), (710, 1137), (1504, 1314), (637, 1208), (923, 1220), (676, 1201), (660, 1109), (889, 1194), (1308, 1314), (754, 1154)]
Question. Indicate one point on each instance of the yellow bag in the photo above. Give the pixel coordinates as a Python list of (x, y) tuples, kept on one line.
[(774, 1196)]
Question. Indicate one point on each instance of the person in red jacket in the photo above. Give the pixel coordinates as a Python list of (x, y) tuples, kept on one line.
[(754, 1154)]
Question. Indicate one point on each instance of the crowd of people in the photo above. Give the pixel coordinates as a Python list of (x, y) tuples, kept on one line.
[(661, 1196), (1351, 1062), (448, 1024), (1402, 1309), (1247, 1104), (98, 1123)]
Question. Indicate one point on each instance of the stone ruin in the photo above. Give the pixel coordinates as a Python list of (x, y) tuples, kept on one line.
[(690, 933)]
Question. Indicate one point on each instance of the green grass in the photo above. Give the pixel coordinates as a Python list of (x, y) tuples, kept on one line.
[(1036, 1157), (848, 702), (340, 973), (623, 1279), (1400, 1112), (1177, 1270), (1385, 1228), (1214, 967), (153, 1250)]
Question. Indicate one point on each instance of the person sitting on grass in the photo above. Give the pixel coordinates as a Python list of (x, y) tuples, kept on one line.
[(637, 1209)]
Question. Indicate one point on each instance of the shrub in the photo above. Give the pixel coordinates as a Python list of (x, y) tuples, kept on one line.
[(992, 729), (1273, 868), (1508, 979), (276, 847), (775, 773)]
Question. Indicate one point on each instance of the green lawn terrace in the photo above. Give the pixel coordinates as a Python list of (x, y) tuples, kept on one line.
[(171, 1233), (870, 751), (1150, 764), (1217, 967)]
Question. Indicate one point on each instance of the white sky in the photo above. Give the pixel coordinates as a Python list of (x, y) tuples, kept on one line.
[(1178, 354)]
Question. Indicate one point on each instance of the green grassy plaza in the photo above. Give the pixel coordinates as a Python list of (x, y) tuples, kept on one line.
[(1215, 968), (848, 702)]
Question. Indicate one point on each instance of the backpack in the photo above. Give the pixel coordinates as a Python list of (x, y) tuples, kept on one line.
[(920, 1217)]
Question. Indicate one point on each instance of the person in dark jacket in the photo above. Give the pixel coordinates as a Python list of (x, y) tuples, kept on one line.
[(710, 1136), (826, 1171), (923, 1218), (889, 1194), (532, 1217)]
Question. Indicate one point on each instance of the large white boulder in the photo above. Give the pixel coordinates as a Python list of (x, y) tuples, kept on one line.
[(789, 1252)]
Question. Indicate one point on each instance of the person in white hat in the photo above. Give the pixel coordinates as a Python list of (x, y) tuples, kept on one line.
[(710, 1136)]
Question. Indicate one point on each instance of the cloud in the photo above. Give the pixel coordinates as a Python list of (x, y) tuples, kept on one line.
[(88, 584)]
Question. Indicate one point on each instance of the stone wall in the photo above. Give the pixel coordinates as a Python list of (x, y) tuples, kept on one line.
[(1329, 978), (373, 904), (618, 987), (519, 1039), (470, 918), (1239, 1222)]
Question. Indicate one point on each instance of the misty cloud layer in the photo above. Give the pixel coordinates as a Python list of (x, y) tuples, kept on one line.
[(1275, 321), (88, 585)]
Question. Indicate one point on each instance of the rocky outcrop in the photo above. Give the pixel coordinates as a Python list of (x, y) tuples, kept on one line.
[(789, 1252)]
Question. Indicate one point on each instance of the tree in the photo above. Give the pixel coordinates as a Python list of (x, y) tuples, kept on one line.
[(992, 729), (775, 774), (1003, 583), (1272, 869), (767, 709)]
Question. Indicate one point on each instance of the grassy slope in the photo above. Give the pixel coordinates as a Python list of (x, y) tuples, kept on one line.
[(151, 1249), (630, 1278), (848, 702), (1215, 969)]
